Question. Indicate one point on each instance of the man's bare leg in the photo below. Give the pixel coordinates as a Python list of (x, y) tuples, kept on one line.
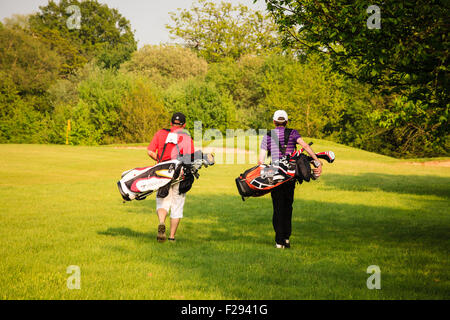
[(174, 226), (162, 214)]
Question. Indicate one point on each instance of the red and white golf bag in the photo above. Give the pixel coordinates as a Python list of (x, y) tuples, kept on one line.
[(138, 183)]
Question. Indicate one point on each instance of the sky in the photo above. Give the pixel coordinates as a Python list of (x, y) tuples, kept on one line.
[(147, 17)]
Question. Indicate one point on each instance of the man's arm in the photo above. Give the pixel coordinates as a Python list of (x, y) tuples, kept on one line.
[(152, 148), (307, 147), (189, 146), (262, 156), (263, 150), (152, 155)]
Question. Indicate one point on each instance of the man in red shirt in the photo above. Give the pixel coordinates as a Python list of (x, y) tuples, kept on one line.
[(167, 144)]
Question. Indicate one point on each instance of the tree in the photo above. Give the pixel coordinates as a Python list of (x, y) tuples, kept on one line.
[(165, 64), (20, 119), (242, 80), (101, 97), (307, 91), (201, 101), (111, 108), (104, 33), (30, 64), (217, 31), (63, 97), (413, 130), (142, 113), (28, 68), (407, 55), (17, 21)]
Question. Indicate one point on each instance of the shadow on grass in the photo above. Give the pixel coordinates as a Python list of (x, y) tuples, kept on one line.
[(127, 232), (411, 184), (225, 247)]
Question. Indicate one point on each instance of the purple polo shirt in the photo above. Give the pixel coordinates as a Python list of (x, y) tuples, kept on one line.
[(273, 143)]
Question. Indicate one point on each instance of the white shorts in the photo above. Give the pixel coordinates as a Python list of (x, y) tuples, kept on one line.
[(173, 202)]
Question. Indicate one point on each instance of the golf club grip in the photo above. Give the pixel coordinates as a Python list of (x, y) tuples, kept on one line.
[(321, 156)]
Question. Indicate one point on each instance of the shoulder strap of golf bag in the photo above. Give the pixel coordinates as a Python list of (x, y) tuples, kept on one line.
[(282, 147), (164, 148)]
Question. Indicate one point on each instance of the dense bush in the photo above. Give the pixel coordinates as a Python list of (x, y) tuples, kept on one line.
[(242, 80), (27, 62), (165, 64), (19, 121), (116, 108), (27, 69), (201, 101), (310, 94), (142, 113)]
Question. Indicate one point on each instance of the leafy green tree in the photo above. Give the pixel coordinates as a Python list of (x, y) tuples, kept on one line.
[(19, 121), (217, 31), (104, 33), (29, 63), (73, 59), (111, 108), (201, 101), (101, 97), (142, 113), (19, 21), (310, 94), (84, 131), (242, 80), (406, 55), (411, 128), (53, 39), (409, 49), (63, 97), (165, 64), (356, 125), (27, 69)]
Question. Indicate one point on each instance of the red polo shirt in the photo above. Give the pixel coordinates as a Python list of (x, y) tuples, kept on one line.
[(185, 143)]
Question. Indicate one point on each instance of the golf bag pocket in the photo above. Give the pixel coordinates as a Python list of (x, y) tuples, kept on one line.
[(303, 169), (163, 191), (243, 188), (186, 184), (242, 182)]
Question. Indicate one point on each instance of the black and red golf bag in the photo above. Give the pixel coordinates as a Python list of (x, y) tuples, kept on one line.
[(262, 179)]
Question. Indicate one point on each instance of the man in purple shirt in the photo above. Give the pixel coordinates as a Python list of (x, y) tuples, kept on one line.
[(283, 196)]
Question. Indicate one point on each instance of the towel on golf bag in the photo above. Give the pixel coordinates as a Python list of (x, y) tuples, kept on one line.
[(262, 179), (138, 183)]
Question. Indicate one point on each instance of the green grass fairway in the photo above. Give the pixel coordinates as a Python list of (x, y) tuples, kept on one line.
[(60, 206)]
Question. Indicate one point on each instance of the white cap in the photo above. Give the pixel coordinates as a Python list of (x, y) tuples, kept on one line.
[(280, 115)]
